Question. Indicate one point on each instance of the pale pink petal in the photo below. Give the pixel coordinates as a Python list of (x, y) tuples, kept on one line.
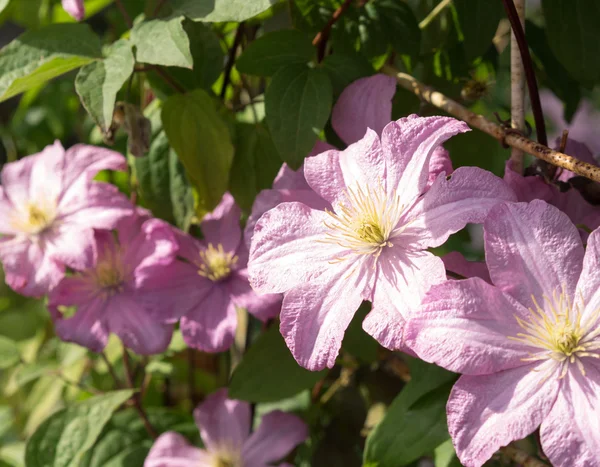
[(577, 208), (532, 249), (71, 246), (361, 164), (449, 205), (287, 248), (407, 146), (223, 422), (75, 8), (456, 263), (570, 433), (189, 247), (29, 269), (579, 151), (172, 450), (7, 211), (465, 326), (402, 281), (277, 435), (439, 162), (135, 327), (263, 307), (588, 287), (288, 179), (210, 326), (222, 225), (488, 412), (314, 316), (366, 103), (527, 188)]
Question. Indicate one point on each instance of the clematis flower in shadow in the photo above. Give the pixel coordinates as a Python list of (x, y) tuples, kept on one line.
[(373, 244), (527, 346), (49, 207), (75, 8), (224, 426), (209, 282), (107, 296)]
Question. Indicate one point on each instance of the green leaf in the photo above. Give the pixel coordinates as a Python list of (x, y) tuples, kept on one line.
[(297, 104), (255, 164), (268, 372), (202, 142), (41, 55), (182, 197), (3, 5), (216, 11), (63, 438), (345, 68), (478, 20), (574, 36), (162, 42), (98, 83), (9, 353), (415, 423), (445, 456), (275, 50), (399, 24), (356, 341)]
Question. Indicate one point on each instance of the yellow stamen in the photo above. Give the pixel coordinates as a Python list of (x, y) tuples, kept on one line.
[(216, 264), (36, 218)]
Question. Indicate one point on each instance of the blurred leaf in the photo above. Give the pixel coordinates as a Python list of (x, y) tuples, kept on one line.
[(32, 371), (445, 456), (356, 341), (215, 11), (3, 5), (268, 372), (399, 24), (255, 164), (344, 68), (297, 103), (9, 353), (99, 82), (478, 20), (59, 15), (7, 417), (275, 50), (575, 37), (415, 423), (64, 437), (202, 141), (181, 193), (162, 42), (38, 56)]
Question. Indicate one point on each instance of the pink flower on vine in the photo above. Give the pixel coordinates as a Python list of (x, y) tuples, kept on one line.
[(527, 346), (373, 244), (49, 207), (107, 295), (210, 282), (224, 426), (75, 8)]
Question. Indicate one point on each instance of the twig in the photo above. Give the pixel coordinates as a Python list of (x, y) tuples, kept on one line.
[(237, 40), (111, 370), (517, 89), (320, 40), (512, 139), (123, 11), (165, 76), (534, 96), (521, 457), (137, 403), (433, 13)]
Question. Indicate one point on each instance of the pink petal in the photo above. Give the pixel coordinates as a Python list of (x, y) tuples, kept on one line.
[(449, 205), (464, 326), (408, 145), (222, 225), (439, 162), (488, 412), (579, 151), (173, 450), (455, 262), (366, 103), (263, 307), (223, 422), (588, 287), (532, 249), (210, 326), (75, 8), (570, 433), (277, 435), (577, 208), (135, 327), (71, 246), (527, 188), (314, 316), (361, 164), (7, 211), (287, 248), (402, 281), (288, 179)]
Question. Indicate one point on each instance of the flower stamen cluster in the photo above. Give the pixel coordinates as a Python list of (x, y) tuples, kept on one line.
[(216, 264), (37, 218), (109, 275)]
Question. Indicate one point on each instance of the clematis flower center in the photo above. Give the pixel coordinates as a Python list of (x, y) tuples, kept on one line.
[(367, 222), (216, 264), (227, 459), (36, 218), (558, 331), (109, 274)]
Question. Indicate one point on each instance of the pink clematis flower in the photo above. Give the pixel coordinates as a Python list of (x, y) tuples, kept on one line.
[(75, 8), (527, 346), (225, 430), (108, 295), (210, 283), (50, 206), (373, 244)]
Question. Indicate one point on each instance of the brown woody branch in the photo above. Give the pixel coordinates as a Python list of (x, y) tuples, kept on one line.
[(504, 135), (320, 40), (521, 457)]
